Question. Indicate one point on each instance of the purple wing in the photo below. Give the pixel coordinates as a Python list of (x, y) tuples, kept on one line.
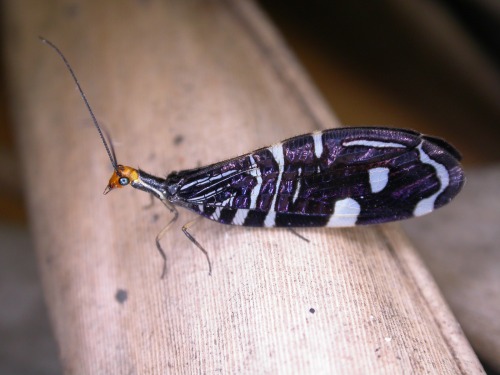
[(338, 177)]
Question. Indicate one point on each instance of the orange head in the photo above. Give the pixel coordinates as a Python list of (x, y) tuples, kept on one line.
[(122, 176)]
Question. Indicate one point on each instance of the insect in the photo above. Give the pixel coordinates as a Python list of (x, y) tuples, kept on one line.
[(332, 178)]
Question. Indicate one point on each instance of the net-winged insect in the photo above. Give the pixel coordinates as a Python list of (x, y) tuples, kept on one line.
[(331, 178)]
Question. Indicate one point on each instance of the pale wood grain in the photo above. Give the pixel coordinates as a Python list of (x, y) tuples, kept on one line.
[(465, 266), (216, 74)]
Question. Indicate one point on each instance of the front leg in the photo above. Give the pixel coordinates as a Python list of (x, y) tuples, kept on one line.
[(160, 235)]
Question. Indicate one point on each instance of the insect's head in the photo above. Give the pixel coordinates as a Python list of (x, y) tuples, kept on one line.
[(122, 176)]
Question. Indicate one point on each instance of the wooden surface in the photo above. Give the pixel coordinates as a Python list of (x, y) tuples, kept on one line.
[(213, 74), (466, 265)]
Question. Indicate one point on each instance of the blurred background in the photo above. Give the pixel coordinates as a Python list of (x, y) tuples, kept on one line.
[(432, 66)]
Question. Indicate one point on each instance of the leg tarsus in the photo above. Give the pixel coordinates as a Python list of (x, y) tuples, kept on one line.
[(163, 255), (193, 240), (298, 234)]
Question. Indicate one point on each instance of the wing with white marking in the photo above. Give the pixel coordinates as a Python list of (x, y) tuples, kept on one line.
[(339, 177)]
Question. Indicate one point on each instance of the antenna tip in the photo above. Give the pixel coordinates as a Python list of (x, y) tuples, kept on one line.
[(43, 40), (49, 43)]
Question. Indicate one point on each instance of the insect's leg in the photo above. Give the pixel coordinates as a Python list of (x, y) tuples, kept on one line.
[(160, 235), (193, 240), (151, 203), (298, 234)]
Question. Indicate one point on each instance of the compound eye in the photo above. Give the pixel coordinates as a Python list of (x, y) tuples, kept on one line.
[(124, 181)]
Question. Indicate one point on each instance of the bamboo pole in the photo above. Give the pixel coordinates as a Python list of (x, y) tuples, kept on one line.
[(180, 84)]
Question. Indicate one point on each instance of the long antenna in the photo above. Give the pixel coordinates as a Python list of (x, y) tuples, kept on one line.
[(109, 149)]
